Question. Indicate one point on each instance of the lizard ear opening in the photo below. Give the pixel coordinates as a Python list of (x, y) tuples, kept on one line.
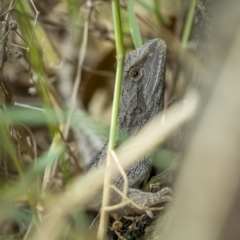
[(136, 74)]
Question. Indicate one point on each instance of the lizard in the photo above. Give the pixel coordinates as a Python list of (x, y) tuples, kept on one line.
[(142, 97)]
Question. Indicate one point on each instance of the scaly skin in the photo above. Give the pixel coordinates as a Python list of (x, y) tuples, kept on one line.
[(142, 97)]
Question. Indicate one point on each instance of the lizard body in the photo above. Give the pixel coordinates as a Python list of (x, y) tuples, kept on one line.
[(142, 97)]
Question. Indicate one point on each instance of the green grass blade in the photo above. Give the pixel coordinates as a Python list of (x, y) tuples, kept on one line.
[(134, 28)]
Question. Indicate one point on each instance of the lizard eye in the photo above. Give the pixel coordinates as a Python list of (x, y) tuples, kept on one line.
[(135, 74)]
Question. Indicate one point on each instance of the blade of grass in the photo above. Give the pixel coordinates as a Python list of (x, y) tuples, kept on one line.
[(134, 28), (34, 116), (35, 59), (113, 128), (188, 24), (145, 5), (157, 11)]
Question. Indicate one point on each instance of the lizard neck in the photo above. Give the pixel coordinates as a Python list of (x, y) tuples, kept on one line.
[(141, 112)]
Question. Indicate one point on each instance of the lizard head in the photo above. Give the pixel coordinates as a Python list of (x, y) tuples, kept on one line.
[(142, 93)]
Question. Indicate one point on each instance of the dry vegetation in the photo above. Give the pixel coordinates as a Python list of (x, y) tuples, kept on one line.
[(57, 71)]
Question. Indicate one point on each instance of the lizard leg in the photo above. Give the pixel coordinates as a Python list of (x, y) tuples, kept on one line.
[(146, 199)]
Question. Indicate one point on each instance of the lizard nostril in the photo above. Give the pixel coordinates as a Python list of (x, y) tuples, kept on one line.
[(138, 110)]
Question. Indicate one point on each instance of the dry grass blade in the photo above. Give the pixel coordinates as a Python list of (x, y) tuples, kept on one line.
[(209, 180), (122, 172), (81, 57), (82, 190), (128, 201)]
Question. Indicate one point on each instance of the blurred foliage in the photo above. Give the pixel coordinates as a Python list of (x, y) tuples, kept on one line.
[(49, 34)]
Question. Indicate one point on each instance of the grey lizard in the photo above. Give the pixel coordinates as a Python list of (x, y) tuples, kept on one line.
[(142, 97)]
